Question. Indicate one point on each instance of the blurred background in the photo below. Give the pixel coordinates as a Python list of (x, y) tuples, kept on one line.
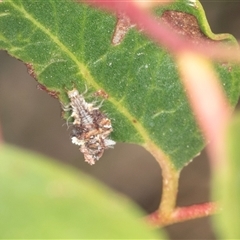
[(30, 118)]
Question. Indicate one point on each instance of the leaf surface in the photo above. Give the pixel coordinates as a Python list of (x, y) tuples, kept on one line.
[(68, 45), (41, 199)]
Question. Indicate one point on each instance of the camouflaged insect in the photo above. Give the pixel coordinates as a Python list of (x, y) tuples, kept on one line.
[(90, 129)]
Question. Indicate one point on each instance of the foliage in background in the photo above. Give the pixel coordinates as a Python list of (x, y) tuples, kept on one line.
[(40, 199)]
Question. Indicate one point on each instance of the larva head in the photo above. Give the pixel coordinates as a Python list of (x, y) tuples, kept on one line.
[(73, 93)]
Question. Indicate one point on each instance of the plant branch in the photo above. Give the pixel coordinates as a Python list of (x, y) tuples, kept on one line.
[(182, 214), (170, 178)]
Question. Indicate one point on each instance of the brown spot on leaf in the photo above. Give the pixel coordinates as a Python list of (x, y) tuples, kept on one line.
[(122, 26), (185, 25), (51, 93), (30, 70), (134, 121), (101, 93), (32, 73)]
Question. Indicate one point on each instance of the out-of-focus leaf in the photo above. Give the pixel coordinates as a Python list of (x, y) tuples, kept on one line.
[(42, 200), (226, 187)]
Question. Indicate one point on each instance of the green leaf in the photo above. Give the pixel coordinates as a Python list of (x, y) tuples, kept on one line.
[(226, 185), (69, 44), (40, 199)]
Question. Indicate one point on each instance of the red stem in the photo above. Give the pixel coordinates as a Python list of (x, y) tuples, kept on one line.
[(182, 214)]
